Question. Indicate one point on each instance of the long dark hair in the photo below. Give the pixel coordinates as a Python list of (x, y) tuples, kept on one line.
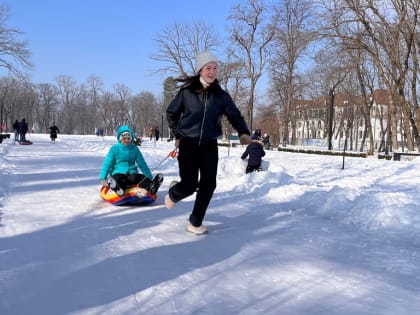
[(193, 83)]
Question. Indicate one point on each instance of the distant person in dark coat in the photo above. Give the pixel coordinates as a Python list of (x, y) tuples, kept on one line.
[(266, 141), (16, 129), (23, 129), (256, 135), (53, 132), (255, 151), (157, 133)]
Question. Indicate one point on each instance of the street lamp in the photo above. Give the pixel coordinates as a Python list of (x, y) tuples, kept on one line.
[(162, 126), (331, 118)]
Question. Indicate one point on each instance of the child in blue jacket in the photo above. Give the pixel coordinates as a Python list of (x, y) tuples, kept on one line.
[(122, 163)]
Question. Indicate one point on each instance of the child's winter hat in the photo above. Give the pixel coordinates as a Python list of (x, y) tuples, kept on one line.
[(125, 134), (125, 131), (203, 58)]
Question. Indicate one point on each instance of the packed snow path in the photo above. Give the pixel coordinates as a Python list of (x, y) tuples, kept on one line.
[(301, 238)]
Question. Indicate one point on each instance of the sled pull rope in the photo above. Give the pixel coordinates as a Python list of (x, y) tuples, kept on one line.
[(171, 154)]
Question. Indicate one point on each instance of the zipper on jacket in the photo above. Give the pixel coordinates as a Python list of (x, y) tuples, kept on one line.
[(204, 117)]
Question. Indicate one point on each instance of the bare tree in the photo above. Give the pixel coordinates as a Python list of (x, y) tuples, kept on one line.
[(68, 96), (95, 86), (386, 30), (267, 116), (145, 112), (362, 73), (295, 31), (46, 105), (14, 54), (178, 45), (122, 104), (252, 32), (232, 77)]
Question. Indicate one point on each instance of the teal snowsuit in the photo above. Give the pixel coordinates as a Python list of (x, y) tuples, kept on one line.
[(124, 159)]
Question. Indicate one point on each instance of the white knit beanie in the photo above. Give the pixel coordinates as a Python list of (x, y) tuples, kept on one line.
[(202, 59)]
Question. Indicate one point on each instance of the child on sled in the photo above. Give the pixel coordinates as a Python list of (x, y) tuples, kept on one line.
[(122, 163)]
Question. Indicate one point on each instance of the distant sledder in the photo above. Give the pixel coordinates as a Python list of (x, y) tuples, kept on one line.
[(125, 185)]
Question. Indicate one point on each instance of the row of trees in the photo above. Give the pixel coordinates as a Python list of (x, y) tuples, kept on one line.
[(78, 108), (353, 47), (304, 48)]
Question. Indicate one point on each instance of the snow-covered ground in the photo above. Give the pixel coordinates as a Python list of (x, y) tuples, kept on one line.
[(304, 237)]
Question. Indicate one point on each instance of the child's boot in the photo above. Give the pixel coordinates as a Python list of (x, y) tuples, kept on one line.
[(155, 184), (112, 183)]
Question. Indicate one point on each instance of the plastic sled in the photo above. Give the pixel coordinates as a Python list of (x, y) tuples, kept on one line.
[(25, 142), (133, 196)]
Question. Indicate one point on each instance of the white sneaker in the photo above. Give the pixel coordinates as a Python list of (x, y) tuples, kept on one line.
[(168, 202), (197, 230)]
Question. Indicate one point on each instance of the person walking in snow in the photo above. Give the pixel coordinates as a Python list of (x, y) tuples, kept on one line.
[(120, 169), (23, 129), (16, 129), (256, 135), (151, 133), (194, 117), (157, 133), (255, 151), (266, 141), (53, 132)]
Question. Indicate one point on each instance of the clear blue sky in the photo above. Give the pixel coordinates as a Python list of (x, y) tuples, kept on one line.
[(110, 39)]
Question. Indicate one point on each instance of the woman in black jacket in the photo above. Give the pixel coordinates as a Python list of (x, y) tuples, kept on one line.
[(195, 116)]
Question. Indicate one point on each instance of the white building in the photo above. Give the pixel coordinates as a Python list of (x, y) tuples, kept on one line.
[(312, 121)]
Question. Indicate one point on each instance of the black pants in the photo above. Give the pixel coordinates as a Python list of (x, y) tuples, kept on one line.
[(198, 172), (125, 181), (252, 168)]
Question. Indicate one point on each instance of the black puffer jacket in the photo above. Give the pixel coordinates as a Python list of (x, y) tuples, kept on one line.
[(196, 113)]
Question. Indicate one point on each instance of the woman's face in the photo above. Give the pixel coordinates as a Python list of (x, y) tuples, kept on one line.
[(209, 72)]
